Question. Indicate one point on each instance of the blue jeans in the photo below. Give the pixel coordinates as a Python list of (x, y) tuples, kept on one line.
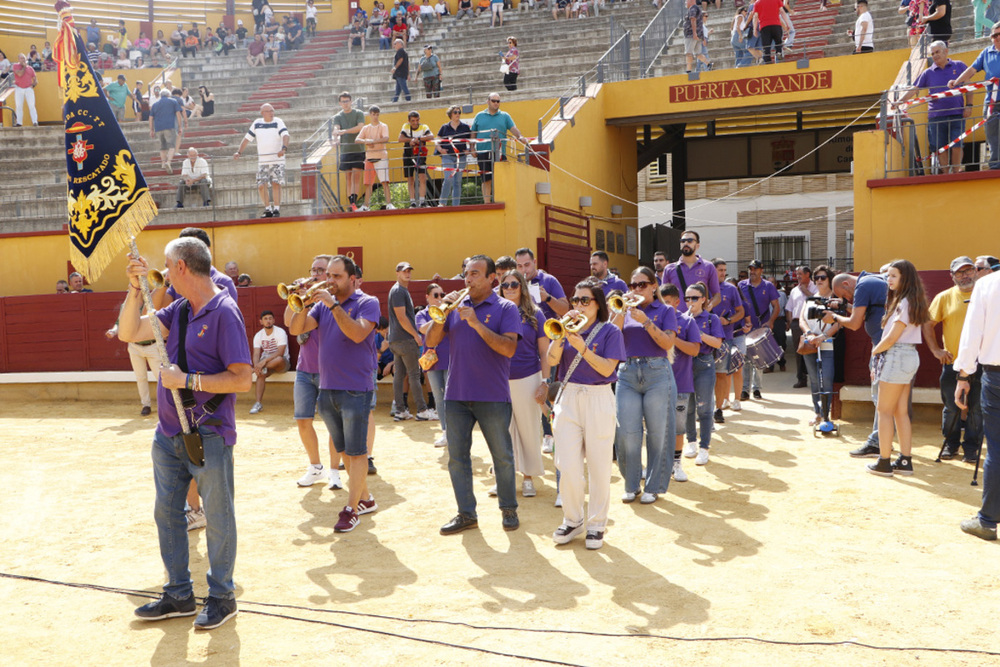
[(951, 417), (751, 375), (438, 381), (739, 51), (702, 402), (401, 87), (645, 387), (345, 414), (384, 43), (989, 515), (452, 179), (824, 357), (172, 474), (993, 136), (494, 421)]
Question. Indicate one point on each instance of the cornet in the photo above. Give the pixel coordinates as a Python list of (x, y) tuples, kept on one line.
[(619, 303), (156, 279), (299, 302), (440, 313), (556, 329), (284, 291)]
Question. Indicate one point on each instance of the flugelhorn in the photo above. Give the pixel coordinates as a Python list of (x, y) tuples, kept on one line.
[(556, 329), (619, 303), (285, 291), (299, 302), (440, 313)]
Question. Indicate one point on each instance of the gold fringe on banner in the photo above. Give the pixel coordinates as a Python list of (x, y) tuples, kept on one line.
[(131, 222)]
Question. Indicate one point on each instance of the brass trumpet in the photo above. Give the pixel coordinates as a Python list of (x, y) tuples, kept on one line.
[(156, 279), (284, 291), (556, 329), (619, 303), (298, 302), (440, 313)]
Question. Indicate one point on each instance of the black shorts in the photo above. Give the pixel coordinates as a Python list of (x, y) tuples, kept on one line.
[(486, 165), (349, 161), (413, 164)]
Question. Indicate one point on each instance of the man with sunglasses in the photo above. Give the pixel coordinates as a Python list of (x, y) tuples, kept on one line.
[(490, 127), (988, 61), (691, 269), (599, 270), (986, 264), (762, 307)]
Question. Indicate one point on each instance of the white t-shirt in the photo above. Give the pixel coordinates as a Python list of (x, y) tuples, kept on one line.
[(269, 345), (269, 139), (911, 334), (311, 11), (869, 34), (797, 298), (441, 8)]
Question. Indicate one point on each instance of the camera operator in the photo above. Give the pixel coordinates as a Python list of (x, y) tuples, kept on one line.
[(864, 296), (818, 336)]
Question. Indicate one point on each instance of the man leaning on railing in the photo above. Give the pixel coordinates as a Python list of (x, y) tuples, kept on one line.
[(987, 61), (490, 127)]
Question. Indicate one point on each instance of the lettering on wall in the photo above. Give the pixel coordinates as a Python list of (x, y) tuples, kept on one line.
[(760, 85)]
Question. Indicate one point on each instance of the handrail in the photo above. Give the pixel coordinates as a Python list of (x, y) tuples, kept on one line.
[(323, 135), (657, 35)]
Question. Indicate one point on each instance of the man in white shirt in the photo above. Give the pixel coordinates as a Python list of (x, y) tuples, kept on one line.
[(271, 136), (270, 355), (194, 176), (793, 308), (980, 346), (864, 29)]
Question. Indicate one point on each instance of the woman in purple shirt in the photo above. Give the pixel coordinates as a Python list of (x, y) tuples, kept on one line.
[(645, 386), (437, 375), (527, 390), (701, 404), (584, 425)]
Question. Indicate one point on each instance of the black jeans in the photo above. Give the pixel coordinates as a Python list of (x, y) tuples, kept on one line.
[(771, 34), (800, 364), (951, 416)]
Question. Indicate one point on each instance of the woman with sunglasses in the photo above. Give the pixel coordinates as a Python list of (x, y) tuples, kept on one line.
[(645, 386), (527, 390), (437, 375), (819, 336), (701, 404), (584, 425)]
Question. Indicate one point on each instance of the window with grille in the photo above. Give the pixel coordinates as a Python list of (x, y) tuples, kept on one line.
[(778, 251)]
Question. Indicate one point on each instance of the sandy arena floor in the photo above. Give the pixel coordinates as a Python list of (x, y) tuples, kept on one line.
[(781, 537)]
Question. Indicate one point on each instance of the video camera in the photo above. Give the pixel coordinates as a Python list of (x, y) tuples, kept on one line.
[(817, 305)]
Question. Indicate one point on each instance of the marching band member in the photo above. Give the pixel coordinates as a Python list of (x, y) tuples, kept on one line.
[(730, 312), (701, 404), (437, 374), (687, 345), (760, 303)]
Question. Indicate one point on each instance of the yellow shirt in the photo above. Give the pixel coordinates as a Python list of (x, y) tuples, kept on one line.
[(949, 307)]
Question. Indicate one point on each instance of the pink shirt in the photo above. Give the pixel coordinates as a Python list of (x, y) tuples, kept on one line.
[(24, 76)]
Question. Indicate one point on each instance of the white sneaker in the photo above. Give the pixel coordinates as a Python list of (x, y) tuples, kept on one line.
[(402, 416), (492, 492), (435, 413), (648, 498), (390, 207), (558, 500), (528, 488), (425, 415), (736, 406), (313, 474), (690, 450), (725, 404), (257, 407), (679, 474), (702, 457), (362, 208), (548, 444), (628, 497), (335, 482), (442, 440), (196, 519)]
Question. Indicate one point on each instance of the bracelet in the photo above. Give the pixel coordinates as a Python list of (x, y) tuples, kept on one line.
[(197, 382), (188, 382), (647, 324)]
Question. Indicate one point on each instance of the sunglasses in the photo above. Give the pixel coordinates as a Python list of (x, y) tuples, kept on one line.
[(684, 241), (995, 35), (689, 299), (640, 285), (509, 285), (817, 278), (437, 295), (497, 101), (581, 300)]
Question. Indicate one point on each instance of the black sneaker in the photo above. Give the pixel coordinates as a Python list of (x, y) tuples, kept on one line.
[(166, 607), (756, 394), (866, 451), (565, 533), (882, 467), (215, 612), (595, 539), (745, 396), (719, 419), (903, 465), (975, 527), (510, 520), (948, 452), (459, 523), (275, 213), (372, 470), (971, 457), (267, 214)]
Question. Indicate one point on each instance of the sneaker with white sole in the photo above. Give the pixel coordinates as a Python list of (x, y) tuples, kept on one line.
[(367, 506), (335, 482), (702, 457), (314, 474), (347, 521), (257, 407), (690, 450), (648, 498), (402, 416), (492, 492), (196, 519), (679, 474), (390, 207), (595, 539), (564, 533), (442, 440), (548, 444), (214, 613), (736, 407), (426, 415), (528, 488), (628, 497), (725, 404), (168, 607)]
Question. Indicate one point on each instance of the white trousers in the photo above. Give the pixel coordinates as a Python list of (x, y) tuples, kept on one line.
[(584, 429), (526, 426), (20, 95), (140, 356)]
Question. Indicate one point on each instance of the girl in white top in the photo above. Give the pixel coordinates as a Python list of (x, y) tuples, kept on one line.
[(895, 361)]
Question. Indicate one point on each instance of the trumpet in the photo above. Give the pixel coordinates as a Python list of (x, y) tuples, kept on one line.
[(284, 291), (619, 303), (440, 313), (298, 302), (156, 279), (556, 329)]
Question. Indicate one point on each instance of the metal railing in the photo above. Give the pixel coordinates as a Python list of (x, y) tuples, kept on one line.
[(654, 39)]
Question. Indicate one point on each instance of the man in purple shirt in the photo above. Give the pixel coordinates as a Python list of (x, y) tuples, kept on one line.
[(214, 364), (729, 310), (760, 303), (163, 296), (483, 332), (691, 269), (659, 265), (599, 270), (551, 297), (345, 320)]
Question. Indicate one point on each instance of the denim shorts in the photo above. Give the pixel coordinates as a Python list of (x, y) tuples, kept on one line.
[(722, 360), (305, 392), (901, 363), (682, 404), (941, 131), (346, 415)]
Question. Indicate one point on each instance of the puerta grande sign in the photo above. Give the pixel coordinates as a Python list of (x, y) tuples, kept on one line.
[(758, 85)]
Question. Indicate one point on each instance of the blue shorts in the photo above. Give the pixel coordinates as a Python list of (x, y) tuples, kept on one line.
[(375, 393), (305, 392), (901, 363), (346, 415), (944, 130)]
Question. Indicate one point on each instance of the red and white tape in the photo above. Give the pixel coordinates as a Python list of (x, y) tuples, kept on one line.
[(952, 92)]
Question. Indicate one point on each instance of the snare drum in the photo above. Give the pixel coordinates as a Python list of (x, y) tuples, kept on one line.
[(762, 350)]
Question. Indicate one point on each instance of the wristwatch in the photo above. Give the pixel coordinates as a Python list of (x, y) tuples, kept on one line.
[(963, 378), (548, 298)]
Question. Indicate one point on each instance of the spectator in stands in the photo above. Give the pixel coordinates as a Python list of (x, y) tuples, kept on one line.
[(375, 137), (737, 38), (273, 48), (270, 355), (49, 64), (118, 95), (62, 287), (232, 270), (255, 51), (385, 35), (241, 33), (229, 42), (357, 35), (212, 43), (693, 23), (271, 28), (427, 12), (94, 55), (311, 12), (93, 33), (413, 30), (864, 29), (397, 9), (400, 69), (5, 66), (513, 61), (194, 176), (414, 135), (430, 70), (268, 12), (982, 22), (346, 125), (987, 61), (165, 121), (142, 45), (938, 20), (563, 5), (766, 16), (453, 147), (76, 284), (293, 33), (24, 90), (272, 138), (187, 102), (914, 10), (482, 7), (191, 42), (34, 59), (205, 105), (121, 40), (177, 37), (491, 127), (139, 104), (465, 9), (441, 10), (158, 48), (985, 265), (244, 280), (400, 30), (257, 7), (123, 61)]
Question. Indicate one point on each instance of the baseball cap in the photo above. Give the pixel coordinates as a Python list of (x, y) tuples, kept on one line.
[(755, 264), (403, 266), (239, 22), (959, 262)]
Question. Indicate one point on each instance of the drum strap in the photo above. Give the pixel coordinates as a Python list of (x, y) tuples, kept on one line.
[(187, 396), (753, 301), (680, 277)]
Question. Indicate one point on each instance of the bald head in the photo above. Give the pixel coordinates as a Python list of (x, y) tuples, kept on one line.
[(843, 286)]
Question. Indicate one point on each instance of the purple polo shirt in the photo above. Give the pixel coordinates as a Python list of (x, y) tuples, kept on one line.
[(609, 343), (728, 303), (219, 278), (708, 323), (638, 342), (702, 271), (344, 364), (309, 354), (763, 294), (936, 79), (443, 348), (475, 371), (550, 285), (682, 364), (526, 361), (216, 338), (611, 283)]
